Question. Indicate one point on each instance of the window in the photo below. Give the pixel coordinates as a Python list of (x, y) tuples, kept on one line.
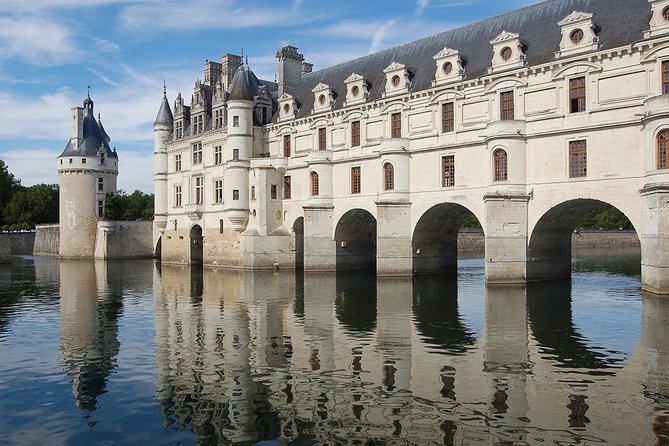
[(662, 143), (506, 106), (388, 177), (506, 53), (177, 196), (355, 133), (218, 191), (177, 163), (665, 77), (218, 155), (198, 124), (396, 125), (576, 36), (101, 184), (70, 160), (235, 194), (355, 180), (101, 209), (286, 187), (199, 190), (235, 154), (577, 95), (197, 153), (218, 119), (253, 193), (83, 161), (321, 138), (447, 117), (179, 130), (578, 159), (286, 145), (500, 165), (314, 183), (272, 192), (102, 157), (235, 121), (395, 80), (448, 171), (220, 226)]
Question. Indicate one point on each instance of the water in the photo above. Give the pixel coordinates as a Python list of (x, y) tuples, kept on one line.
[(131, 353)]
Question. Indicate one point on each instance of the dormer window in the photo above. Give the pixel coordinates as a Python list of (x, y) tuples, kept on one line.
[(448, 66), (578, 34), (397, 79), (356, 89), (659, 21), (508, 52), (287, 106), (324, 98)]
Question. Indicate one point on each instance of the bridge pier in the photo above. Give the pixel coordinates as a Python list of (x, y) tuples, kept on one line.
[(320, 250), (655, 239), (393, 239), (506, 238)]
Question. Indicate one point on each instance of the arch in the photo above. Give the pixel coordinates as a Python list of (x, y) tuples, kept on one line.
[(315, 186), (196, 245), (355, 239), (298, 232), (395, 106), (590, 68), (448, 95), (388, 176), (549, 246), (500, 165), (499, 84), (663, 149), (435, 239), (354, 115), (158, 249), (321, 122)]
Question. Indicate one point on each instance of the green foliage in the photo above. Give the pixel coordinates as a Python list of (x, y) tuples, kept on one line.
[(607, 217), (30, 206), (471, 222), (136, 206), (8, 185)]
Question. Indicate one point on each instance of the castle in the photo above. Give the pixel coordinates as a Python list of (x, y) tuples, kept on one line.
[(528, 121)]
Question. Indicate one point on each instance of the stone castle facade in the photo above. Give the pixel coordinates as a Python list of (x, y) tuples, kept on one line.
[(528, 121)]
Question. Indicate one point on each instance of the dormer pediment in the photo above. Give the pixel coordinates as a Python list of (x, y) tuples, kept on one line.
[(578, 34), (323, 98), (508, 52), (357, 89), (288, 107), (397, 79), (449, 66)]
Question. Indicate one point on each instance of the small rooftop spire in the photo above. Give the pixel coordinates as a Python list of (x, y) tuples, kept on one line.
[(164, 88)]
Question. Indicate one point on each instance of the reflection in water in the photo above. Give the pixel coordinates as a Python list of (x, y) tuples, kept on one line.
[(90, 311), (285, 358), (435, 310), (549, 308)]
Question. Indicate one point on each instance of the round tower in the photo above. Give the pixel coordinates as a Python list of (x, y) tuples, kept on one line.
[(162, 133), (87, 171), (239, 148)]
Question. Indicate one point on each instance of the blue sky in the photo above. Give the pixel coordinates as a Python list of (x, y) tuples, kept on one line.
[(51, 50)]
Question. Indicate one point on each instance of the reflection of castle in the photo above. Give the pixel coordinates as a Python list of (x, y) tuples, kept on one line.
[(89, 328)]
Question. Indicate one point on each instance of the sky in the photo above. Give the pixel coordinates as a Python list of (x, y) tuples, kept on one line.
[(52, 50)]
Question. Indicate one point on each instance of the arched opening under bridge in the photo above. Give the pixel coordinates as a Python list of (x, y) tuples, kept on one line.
[(355, 238)]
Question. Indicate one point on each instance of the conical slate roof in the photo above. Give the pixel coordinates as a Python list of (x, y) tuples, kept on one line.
[(244, 85), (102, 129), (94, 136), (164, 116)]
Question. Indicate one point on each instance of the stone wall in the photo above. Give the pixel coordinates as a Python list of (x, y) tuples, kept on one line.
[(47, 240), (126, 239), (16, 244), (470, 240)]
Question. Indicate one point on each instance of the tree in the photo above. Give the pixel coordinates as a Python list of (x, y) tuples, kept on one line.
[(8, 185), (136, 206), (30, 206)]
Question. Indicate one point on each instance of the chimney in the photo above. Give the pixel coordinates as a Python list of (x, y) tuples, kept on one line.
[(290, 69), (307, 68), (77, 125), (229, 66), (212, 71)]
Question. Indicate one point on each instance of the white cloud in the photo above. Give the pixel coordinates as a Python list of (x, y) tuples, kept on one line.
[(33, 165), (421, 6), (107, 45), (135, 171), (380, 36), (20, 6), (36, 40)]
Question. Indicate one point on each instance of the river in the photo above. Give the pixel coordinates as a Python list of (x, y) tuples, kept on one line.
[(135, 353)]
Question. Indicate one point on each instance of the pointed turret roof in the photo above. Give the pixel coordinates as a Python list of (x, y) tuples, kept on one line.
[(102, 129), (244, 85), (94, 136), (164, 116)]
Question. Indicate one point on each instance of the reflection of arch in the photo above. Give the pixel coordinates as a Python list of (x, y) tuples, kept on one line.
[(435, 239), (196, 251), (549, 248), (355, 304), (550, 317), (435, 311), (355, 237), (298, 231), (500, 165)]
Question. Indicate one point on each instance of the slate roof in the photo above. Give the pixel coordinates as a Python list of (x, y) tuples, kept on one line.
[(619, 22), (164, 116), (94, 137), (245, 84)]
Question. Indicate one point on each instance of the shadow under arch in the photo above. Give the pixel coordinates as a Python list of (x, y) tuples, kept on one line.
[(158, 249), (298, 232), (435, 239), (355, 238), (196, 246), (549, 247)]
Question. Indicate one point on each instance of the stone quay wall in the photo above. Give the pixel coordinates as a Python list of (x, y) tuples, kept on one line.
[(47, 240), (16, 244)]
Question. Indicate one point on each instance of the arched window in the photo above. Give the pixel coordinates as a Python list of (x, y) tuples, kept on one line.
[(500, 165), (662, 149), (314, 183), (388, 176)]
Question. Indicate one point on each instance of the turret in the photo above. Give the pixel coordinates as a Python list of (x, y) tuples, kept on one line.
[(162, 133), (87, 171)]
